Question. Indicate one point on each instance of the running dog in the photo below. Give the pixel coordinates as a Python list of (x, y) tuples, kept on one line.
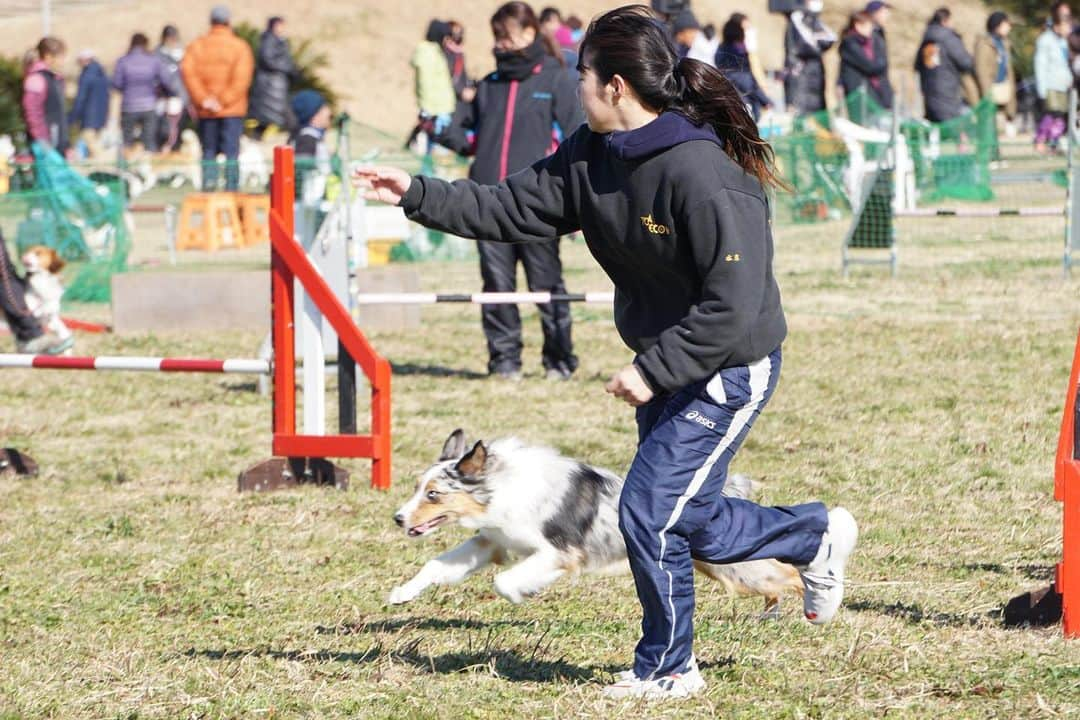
[(557, 515), (44, 289)]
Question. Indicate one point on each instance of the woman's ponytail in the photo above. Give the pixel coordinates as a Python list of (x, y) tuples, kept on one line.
[(630, 42), (707, 97)]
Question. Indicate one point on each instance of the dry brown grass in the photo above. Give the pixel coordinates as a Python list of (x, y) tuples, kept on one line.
[(135, 581)]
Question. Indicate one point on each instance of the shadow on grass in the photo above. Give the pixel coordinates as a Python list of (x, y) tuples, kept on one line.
[(410, 623), (917, 615), (1035, 572), (436, 371), (507, 664), (244, 387)]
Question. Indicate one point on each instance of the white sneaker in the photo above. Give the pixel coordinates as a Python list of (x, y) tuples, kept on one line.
[(670, 687), (823, 578)]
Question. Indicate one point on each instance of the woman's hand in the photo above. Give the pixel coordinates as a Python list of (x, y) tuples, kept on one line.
[(385, 184), (628, 385)]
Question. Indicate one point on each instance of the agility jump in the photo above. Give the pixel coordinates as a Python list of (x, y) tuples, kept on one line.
[(302, 457)]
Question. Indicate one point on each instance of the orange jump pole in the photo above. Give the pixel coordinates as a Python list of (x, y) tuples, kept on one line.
[(1067, 491), (1060, 601), (304, 456)]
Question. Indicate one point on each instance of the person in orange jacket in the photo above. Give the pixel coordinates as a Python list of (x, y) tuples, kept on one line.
[(217, 69)]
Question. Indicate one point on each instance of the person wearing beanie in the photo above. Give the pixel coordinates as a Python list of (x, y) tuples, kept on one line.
[(217, 70), (993, 67), (690, 40), (313, 118)]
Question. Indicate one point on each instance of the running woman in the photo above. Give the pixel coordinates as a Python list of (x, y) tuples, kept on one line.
[(667, 183)]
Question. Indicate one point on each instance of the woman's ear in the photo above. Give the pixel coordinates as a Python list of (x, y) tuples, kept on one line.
[(618, 87)]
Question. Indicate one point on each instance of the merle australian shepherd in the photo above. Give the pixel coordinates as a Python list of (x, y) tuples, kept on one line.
[(550, 514)]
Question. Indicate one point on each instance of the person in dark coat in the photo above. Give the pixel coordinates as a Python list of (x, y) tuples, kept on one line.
[(91, 109), (941, 62), (805, 41), (733, 61), (274, 69), (513, 116), (863, 64)]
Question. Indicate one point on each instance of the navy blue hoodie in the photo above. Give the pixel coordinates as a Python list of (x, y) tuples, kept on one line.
[(680, 228)]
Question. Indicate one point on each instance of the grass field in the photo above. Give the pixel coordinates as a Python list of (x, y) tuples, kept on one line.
[(136, 583)]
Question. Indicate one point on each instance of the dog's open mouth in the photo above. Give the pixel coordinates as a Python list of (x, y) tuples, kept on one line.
[(418, 530)]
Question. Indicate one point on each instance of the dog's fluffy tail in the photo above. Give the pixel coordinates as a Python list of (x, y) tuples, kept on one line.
[(739, 486)]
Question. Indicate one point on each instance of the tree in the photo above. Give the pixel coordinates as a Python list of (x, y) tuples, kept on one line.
[(11, 79)]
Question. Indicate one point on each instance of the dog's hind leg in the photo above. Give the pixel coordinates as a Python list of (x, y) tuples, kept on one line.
[(530, 576), (451, 567)]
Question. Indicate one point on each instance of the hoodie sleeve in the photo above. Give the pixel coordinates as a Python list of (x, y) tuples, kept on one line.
[(529, 206), (728, 237)]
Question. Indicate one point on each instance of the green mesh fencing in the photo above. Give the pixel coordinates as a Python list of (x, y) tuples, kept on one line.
[(812, 163), (952, 159), (83, 221)]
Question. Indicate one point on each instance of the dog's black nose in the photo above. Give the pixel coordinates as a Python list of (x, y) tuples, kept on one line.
[(400, 520)]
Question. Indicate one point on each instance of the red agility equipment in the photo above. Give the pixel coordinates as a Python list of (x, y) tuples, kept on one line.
[(288, 262), (1067, 491)]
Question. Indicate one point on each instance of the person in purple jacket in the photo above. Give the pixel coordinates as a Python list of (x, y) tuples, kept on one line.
[(141, 78)]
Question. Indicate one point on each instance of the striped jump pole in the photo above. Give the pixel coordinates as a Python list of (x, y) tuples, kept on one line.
[(129, 363), (982, 212), (482, 298)]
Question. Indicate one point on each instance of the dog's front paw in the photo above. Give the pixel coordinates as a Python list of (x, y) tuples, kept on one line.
[(507, 589), (402, 594)]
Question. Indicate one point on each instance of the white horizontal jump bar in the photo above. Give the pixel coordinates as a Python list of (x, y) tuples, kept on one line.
[(491, 298)]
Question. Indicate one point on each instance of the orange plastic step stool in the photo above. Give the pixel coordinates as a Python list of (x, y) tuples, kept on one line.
[(255, 216), (219, 224)]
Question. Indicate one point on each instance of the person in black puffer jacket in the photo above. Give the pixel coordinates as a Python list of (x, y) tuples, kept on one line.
[(517, 114), (274, 70)]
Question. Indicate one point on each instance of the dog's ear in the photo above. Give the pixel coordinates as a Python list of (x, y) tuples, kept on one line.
[(473, 462), (56, 263), (454, 447)]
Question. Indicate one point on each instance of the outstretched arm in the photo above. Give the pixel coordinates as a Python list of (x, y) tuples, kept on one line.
[(529, 206)]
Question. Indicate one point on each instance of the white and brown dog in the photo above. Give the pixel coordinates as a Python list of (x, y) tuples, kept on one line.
[(44, 289), (554, 514)]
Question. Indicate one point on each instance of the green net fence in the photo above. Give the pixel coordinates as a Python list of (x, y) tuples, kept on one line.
[(82, 220)]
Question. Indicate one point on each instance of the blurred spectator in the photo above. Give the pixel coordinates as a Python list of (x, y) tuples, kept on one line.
[(91, 109), (454, 49), (43, 96), (805, 40), (435, 95), (1053, 76), (553, 28), (709, 31), (29, 336), (513, 116), (171, 108), (941, 62), (734, 62), (141, 79), (274, 69), (993, 68), (313, 118), (750, 42), (863, 65), (690, 40), (217, 70)]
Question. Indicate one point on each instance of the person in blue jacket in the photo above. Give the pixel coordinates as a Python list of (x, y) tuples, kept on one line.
[(91, 109), (667, 181)]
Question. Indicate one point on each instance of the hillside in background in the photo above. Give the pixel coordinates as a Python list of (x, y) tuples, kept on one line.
[(369, 42)]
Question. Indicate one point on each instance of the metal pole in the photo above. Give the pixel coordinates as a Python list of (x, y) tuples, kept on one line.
[(46, 17)]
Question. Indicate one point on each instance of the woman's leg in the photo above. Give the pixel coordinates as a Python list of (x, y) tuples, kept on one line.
[(669, 508), (502, 323), (543, 272)]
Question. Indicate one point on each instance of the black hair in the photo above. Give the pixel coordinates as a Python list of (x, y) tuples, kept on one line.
[(548, 13), (273, 21), (50, 47), (1055, 11), (139, 40), (995, 20), (521, 13), (709, 31), (169, 32), (733, 32), (940, 16), (632, 43)]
